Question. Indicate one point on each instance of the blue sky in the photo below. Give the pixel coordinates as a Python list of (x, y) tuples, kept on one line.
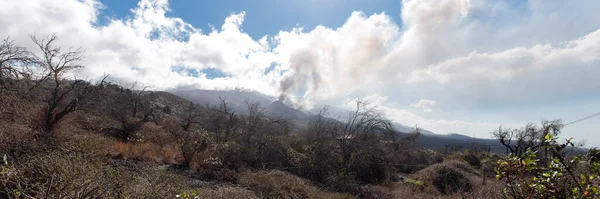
[(449, 66), (264, 17)]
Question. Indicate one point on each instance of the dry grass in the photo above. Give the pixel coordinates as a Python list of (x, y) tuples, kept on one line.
[(225, 192), (56, 174), (452, 178), (167, 154), (279, 184), (489, 191), (448, 177)]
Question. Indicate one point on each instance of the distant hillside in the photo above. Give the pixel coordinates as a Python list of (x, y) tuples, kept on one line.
[(236, 99)]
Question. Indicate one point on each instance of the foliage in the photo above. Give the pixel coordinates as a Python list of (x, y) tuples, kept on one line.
[(558, 176)]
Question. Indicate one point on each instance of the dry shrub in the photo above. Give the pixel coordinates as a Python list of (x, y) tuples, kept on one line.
[(412, 160), (449, 180), (470, 157), (276, 184), (489, 191), (85, 143), (59, 175), (279, 184), (150, 132), (448, 177), (373, 191), (156, 183), (146, 151), (18, 140), (218, 163), (223, 192), (462, 166), (405, 191), (218, 174)]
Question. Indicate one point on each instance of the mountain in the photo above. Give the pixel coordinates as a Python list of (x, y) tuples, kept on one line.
[(278, 109), (237, 99)]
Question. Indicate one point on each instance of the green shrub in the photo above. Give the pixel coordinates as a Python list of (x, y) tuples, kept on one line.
[(416, 183), (527, 176), (219, 193)]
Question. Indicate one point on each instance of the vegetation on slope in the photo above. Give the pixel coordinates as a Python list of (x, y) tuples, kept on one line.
[(65, 138)]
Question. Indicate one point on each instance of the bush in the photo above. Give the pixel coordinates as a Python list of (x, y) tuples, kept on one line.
[(467, 156), (416, 183), (56, 175), (279, 184), (559, 176), (276, 184), (448, 177), (372, 191), (156, 183), (451, 181), (219, 193), (146, 151)]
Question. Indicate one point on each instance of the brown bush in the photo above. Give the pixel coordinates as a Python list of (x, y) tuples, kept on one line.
[(146, 151), (150, 132), (223, 192), (489, 191), (279, 184), (276, 184), (156, 183), (56, 175), (448, 177), (470, 157), (372, 191)]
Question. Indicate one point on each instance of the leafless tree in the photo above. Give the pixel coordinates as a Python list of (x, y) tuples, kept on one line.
[(363, 124), (221, 121), (192, 115), (362, 146), (14, 62), (259, 130), (65, 96), (518, 141), (132, 109), (15, 76), (254, 122)]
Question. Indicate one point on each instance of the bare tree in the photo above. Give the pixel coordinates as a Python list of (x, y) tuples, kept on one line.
[(132, 109), (65, 96), (362, 125), (221, 121), (259, 131), (254, 122), (15, 76), (518, 141), (14, 62), (192, 115), (362, 146)]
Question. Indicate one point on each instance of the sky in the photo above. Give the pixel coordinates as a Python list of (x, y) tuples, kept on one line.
[(449, 66)]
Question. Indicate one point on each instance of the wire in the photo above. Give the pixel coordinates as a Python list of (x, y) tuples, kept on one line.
[(584, 118)]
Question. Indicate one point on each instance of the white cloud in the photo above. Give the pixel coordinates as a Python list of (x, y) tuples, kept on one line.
[(145, 47), (425, 103), (512, 74), (463, 53)]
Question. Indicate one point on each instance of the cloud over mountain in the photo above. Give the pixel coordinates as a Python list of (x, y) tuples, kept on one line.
[(463, 53)]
